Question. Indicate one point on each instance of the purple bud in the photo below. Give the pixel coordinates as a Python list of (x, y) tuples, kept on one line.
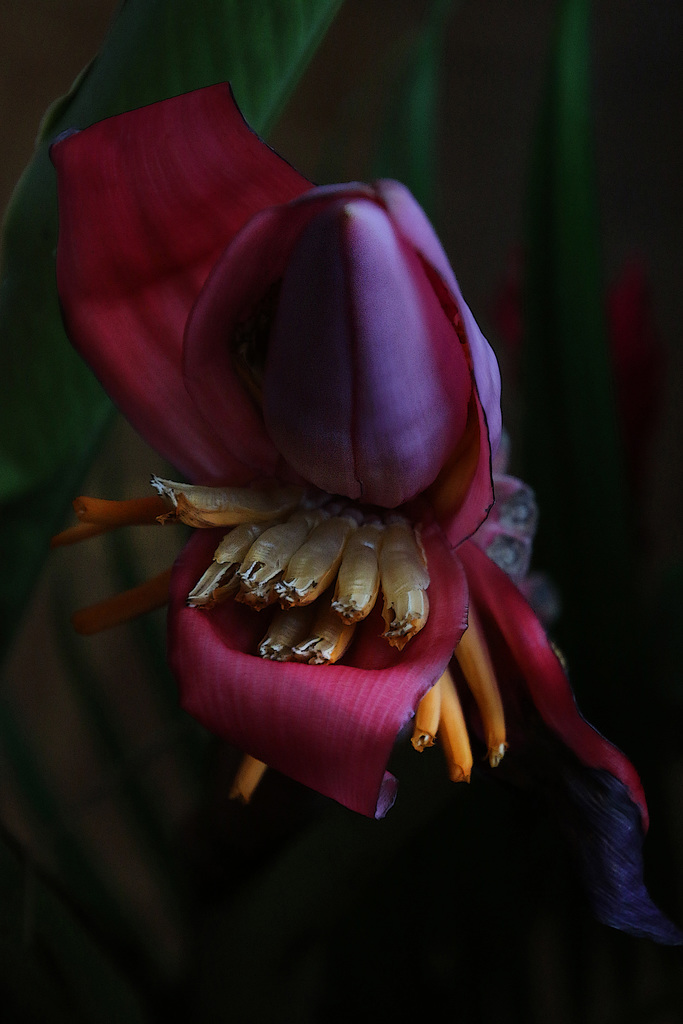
[(367, 384)]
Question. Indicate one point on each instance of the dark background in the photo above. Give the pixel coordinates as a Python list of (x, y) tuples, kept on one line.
[(496, 53)]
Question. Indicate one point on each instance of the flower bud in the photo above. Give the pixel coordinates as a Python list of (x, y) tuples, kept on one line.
[(366, 385)]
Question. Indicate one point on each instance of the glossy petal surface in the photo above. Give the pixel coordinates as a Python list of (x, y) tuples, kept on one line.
[(329, 727), (148, 201)]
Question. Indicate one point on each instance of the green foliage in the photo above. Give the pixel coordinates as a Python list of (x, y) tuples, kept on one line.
[(407, 147), (51, 409), (52, 417), (571, 445), (51, 967)]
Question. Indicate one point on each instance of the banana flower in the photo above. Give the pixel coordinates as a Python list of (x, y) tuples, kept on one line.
[(305, 359)]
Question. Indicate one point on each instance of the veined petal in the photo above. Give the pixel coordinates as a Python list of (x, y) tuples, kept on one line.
[(329, 727), (148, 201)]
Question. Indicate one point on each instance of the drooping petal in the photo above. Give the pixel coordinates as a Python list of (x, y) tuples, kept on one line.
[(363, 360), (605, 829), (330, 727), (591, 786), (148, 201), (544, 677)]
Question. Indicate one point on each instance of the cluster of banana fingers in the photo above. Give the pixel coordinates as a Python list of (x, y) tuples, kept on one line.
[(321, 559)]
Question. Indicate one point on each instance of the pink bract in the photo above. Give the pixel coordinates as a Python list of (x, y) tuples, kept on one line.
[(331, 728), (252, 326)]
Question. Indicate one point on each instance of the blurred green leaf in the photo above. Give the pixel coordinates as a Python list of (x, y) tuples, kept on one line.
[(50, 967), (85, 878), (571, 446), (407, 147), (28, 522), (51, 407)]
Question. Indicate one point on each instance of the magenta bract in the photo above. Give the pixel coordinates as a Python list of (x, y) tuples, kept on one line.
[(252, 326), (331, 728)]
